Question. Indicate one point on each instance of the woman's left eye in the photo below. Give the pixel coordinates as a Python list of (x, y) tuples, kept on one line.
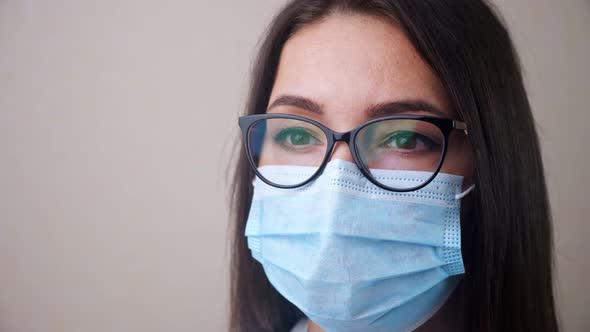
[(407, 140)]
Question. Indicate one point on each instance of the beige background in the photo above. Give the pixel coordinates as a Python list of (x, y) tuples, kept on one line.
[(116, 122)]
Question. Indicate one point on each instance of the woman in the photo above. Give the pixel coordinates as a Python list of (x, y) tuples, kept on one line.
[(391, 178)]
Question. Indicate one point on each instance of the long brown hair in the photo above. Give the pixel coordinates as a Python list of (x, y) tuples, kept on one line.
[(506, 235)]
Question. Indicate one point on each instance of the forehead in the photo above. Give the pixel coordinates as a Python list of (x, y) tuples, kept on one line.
[(349, 62)]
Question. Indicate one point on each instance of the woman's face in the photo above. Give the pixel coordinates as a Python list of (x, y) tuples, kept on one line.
[(345, 66)]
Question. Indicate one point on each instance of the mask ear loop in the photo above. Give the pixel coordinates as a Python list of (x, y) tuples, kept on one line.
[(463, 194)]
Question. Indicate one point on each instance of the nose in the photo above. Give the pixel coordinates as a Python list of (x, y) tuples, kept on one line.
[(341, 151)]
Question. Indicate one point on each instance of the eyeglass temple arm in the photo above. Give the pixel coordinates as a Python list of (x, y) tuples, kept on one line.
[(460, 125)]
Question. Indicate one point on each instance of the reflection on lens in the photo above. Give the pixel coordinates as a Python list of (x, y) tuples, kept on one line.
[(287, 142), (402, 145)]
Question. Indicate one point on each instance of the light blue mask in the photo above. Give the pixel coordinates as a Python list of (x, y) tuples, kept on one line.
[(353, 256)]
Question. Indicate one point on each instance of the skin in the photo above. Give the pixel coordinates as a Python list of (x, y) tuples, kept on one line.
[(347, 63)]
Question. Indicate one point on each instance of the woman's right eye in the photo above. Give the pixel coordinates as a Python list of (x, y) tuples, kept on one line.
[(296, 138)]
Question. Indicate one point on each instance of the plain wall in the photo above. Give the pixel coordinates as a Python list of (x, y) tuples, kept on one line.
[(117, 120)]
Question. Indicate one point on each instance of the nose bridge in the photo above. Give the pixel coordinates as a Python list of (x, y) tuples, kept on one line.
[(341, 148)]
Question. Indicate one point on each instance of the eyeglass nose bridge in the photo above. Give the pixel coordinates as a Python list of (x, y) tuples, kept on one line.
[(341, 137), (346, 138)]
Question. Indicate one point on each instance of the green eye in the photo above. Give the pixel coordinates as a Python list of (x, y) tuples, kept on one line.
[(409, 141), (295, 138), (402, 140), (299, 137)]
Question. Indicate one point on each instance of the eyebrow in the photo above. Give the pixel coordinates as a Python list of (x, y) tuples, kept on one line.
[(378, 110)]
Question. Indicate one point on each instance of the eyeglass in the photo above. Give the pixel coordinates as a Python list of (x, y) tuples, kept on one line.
[(399, 142)]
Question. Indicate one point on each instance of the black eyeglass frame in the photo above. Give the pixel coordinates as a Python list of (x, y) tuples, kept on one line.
[(246, 122)]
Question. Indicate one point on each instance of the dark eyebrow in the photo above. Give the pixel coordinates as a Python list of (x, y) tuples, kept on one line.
[(375, 111), (297, 101), (404, 106)]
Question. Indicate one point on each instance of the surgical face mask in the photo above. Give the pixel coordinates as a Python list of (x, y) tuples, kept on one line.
[(353, 256)]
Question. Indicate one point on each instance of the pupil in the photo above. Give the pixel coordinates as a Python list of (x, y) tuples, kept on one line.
[(300, 139), (406, 141)]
